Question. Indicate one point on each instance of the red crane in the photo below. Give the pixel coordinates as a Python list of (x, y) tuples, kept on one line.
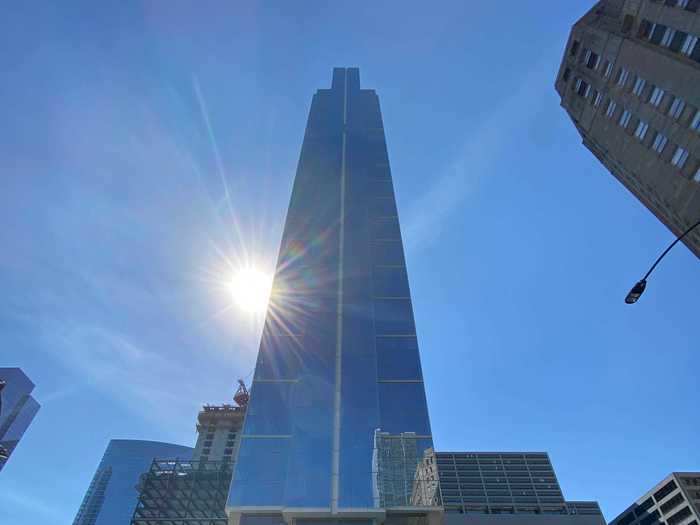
[(241, 396)]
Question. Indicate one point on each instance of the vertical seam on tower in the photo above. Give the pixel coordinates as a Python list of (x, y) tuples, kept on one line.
[(335, 475)]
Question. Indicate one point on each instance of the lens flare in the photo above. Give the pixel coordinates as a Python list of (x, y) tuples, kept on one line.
[(250, 289)]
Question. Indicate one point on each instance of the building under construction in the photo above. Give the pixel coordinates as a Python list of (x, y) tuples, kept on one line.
[(175, 492)]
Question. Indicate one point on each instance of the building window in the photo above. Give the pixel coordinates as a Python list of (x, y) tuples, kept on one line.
[(676, 108), (672, 503), (695, 124), (206, 451), (608, 69), (677, 42), (679, 516), (639, 86), (659, 143), (692, 5), (657, 33), (645, 28), (641, 130), (641, 509), (689, 45), (656, 96), (207, 443), (574, 48), (651, 518), (626, 519), (591, 59), (611, 108), (668, 37), (623, 76), (582, 88), (625, 118), (679, 157), (566, 75), (597, 97)]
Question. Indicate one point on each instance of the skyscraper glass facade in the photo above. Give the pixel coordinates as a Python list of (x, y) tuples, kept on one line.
[(17, 409), (112, 495), (337, 420)]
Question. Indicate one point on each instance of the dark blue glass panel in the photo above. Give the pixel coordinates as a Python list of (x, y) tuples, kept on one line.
[(397, 358), (284, 317), (393, 317), (312, 405), (260, 472), (279, 357), (386, 229), (308, 482), (390, 282), (381, 188), (382, 208), (388, 253), (269, 412), (394, 400)]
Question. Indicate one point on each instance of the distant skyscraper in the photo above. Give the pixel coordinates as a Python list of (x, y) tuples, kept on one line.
[(112, 495), (500, 484), (675, 500), (338, 374), (194, 492), (629, 81), (17, 409)]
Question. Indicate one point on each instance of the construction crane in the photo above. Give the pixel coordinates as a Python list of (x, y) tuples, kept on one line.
[(241, 396)]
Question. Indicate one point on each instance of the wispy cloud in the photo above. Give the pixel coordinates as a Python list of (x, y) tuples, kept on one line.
[(24, 500), (140, 378), (477, 158), (132, 227)]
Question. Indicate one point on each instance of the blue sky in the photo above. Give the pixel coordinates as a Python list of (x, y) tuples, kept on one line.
[(125, 124)]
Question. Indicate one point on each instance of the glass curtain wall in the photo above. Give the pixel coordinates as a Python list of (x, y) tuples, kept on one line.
[(337, 417)]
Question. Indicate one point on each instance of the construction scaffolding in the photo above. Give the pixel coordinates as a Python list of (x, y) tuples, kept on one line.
[(175, 492)]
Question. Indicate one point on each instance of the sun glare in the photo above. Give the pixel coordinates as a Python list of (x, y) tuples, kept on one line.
[(251, 290)]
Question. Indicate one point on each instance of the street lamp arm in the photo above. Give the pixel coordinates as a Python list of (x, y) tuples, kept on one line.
[(686, 232), (638, 289)]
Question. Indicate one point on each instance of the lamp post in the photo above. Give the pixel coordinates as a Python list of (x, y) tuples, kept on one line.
[(638, 289)]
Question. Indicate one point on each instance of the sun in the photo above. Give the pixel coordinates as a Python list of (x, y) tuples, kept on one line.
[(250, 289)]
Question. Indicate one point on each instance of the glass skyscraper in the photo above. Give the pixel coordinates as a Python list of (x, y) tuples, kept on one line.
[(337, 423), (17, 409), (112, 494)]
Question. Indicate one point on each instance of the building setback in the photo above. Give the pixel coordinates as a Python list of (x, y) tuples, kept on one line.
[(338, 419), (675, 500), (629, 81), (17, 410)]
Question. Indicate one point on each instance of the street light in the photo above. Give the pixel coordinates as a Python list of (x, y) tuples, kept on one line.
[(638, 289)]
